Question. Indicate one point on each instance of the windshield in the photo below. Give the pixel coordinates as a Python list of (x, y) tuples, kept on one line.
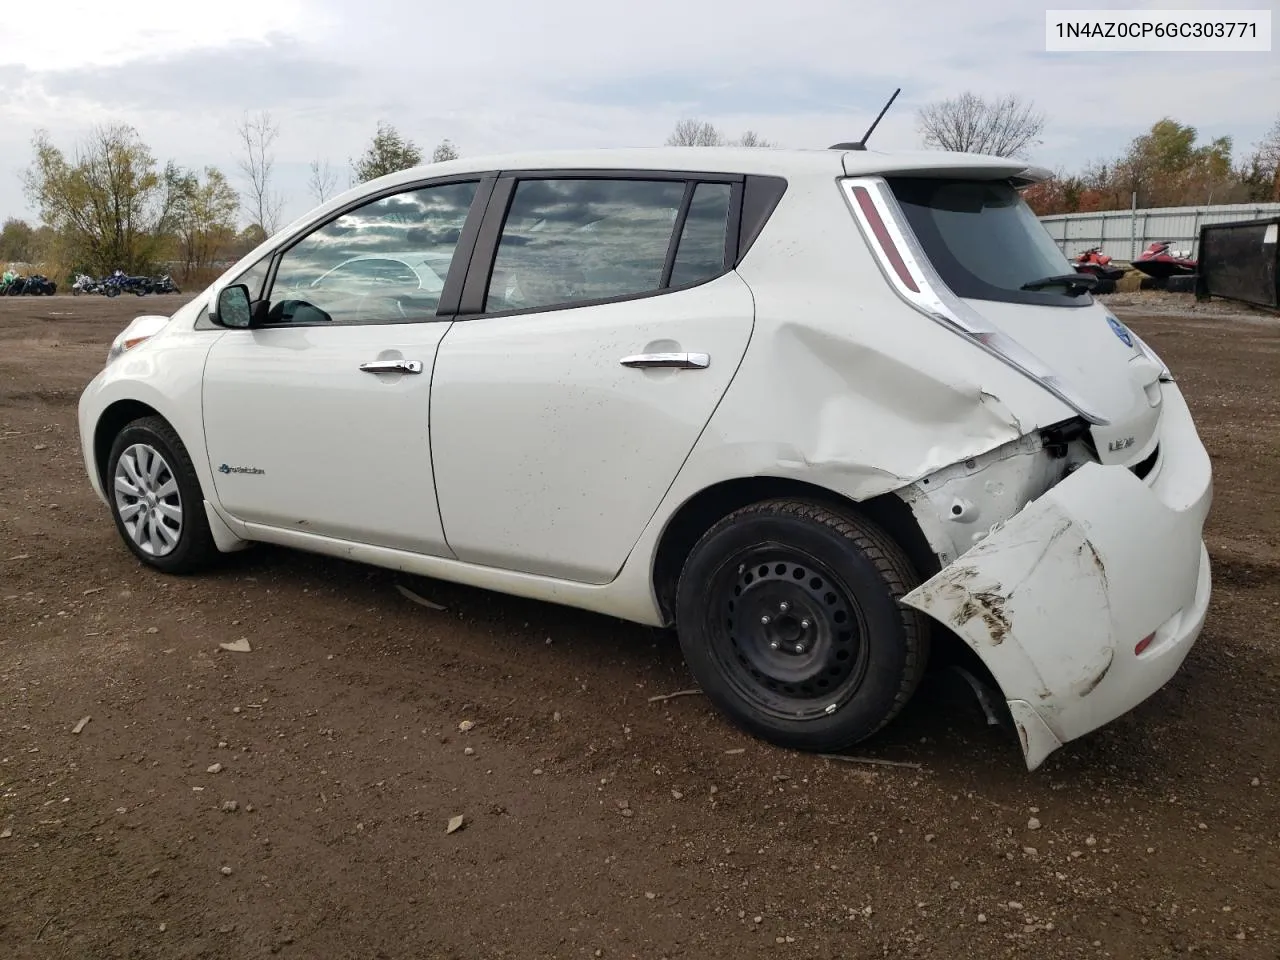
[(984, 241)]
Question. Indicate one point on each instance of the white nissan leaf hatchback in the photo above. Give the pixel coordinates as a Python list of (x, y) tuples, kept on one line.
[(816, 409)]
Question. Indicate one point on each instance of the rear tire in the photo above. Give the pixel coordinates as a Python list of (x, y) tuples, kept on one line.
[(788, 615), (156, 499)]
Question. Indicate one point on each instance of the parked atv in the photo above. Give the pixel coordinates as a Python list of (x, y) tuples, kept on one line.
[(38, 285)]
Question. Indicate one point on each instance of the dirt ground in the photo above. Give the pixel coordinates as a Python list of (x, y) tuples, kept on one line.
[(598, 824)]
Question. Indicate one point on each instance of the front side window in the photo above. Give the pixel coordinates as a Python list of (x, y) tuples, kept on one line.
[(382, 262), (566, 241), (984, 241)]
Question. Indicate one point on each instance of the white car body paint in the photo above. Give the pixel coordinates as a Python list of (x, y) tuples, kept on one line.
[(569, 452), (355, 463), (1056, 599), (823, 370)]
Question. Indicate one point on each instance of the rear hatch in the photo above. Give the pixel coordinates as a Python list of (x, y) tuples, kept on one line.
[(989, 248)]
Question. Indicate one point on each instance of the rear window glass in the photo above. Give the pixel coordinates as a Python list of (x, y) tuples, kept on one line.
[(983, 239)]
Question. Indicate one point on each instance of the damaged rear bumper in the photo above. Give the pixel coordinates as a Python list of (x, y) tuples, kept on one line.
[(1086, 601)]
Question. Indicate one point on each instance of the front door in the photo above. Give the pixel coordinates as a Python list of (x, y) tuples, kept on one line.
[(317, 420), (610, 329)]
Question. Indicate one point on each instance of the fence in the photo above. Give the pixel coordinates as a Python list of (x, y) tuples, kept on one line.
[(1123, 234)]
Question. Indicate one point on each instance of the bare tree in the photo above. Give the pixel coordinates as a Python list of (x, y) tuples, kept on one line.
[(703, 133), (695, 133), (752, 139), (263, 205), (445, 150), (1004, 127), (323, 180)]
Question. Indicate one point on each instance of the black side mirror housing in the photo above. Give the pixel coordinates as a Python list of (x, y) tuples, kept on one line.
[(234, 309)]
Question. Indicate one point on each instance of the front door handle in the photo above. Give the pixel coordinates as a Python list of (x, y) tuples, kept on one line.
[(392, 366), (673, 361)]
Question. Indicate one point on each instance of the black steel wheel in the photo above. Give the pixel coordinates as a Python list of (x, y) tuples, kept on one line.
[(788, 616)]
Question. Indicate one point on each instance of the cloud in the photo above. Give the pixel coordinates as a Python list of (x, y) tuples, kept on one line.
[(240, 74), (577, 73)]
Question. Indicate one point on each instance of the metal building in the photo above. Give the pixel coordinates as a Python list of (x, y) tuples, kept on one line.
[(1124, 233)]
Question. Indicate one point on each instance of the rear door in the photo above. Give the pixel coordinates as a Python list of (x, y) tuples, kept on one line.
[(601, 323)]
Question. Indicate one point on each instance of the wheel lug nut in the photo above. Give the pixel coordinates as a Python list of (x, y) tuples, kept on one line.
[(804, 624), (799, 648), (773, 645), (766, 620), (783, 607)]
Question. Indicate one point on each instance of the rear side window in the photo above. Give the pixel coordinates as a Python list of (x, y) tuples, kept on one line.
[(700, 255), (983, 239), (570, 240)]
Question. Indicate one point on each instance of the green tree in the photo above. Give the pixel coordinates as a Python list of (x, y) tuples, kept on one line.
[(445, 150), (17, 242), (108, 200), (204, 218), (388, 152)]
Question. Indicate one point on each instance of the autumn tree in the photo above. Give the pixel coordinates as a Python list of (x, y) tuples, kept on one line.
[(445, 150), (1259, 174), (204, 218), (108, 199), (261, 203), (17, 242), (388, 152), (1003, 127)]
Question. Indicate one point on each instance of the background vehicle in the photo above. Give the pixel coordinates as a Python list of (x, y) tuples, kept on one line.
[(822, 411), (1161, 261), (38, 285), (1095, 262), (85, 284)]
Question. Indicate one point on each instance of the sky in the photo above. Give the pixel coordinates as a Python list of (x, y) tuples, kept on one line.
[(514, 74)]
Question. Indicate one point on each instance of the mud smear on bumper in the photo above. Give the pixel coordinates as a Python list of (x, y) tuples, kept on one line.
[(1097, 562), (1091, 683), (990, 606)]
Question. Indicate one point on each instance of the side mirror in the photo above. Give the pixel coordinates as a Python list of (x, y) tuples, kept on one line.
[(234, 309)]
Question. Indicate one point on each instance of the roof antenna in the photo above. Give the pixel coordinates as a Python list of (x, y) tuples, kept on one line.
[(862, 144)]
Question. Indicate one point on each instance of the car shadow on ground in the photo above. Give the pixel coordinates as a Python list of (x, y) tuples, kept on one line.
[(943, 727)]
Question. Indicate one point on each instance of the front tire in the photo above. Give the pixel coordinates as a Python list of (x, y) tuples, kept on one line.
[(788, 616), (156, 499)]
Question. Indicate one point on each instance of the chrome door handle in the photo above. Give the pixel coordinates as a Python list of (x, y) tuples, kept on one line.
[(392, 366), (675, 361)]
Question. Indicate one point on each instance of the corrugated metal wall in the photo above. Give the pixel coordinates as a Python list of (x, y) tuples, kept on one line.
[(1123, 234)]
